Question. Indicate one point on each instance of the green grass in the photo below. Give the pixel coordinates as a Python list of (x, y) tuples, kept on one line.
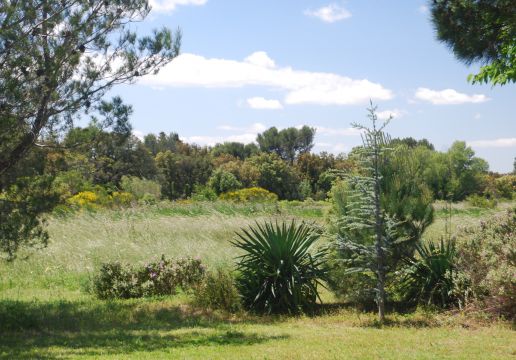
[(46, 312)]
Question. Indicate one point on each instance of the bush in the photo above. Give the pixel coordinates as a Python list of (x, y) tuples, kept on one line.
[(218, 291), (203, 193), (428, 276), (254, 194), (141, 188), (222, 181), (121, 198), (121, 281), (487, 265), (116, 281), (506, 186), (84, 199), (481, 202), (278, 272)]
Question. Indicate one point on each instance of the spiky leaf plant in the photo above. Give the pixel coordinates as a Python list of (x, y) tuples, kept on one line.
[(429, 275), (281, 269)]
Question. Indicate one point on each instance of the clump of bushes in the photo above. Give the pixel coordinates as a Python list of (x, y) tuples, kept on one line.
[(254, 194), (121, 281), (280, 270), (218, 290), (99, 197), (481, 201), (486, 265)]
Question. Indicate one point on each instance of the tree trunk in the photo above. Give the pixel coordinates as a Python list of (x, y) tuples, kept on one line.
[(378, 232)]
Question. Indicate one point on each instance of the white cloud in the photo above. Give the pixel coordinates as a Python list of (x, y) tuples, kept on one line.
[(335, 148), (330, 13), (260, 58), (321, 130), (255, 128), (423, 9), (448, 97), (139, 134), (262, 103), (477, 116), (245, 138), (170, 5), (495, 143), (395, 113), (302, 87)]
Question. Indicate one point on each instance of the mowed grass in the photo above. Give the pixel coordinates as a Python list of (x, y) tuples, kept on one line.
[(47, 312)]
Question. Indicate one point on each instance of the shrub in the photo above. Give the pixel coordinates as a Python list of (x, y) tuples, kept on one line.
[(254, 194), (428, 276), (141, 188), (116, 280), (203, 193), (84, 199), (222, 181), (121, 198), (218, 290), (305, 189), (481, 201), (506, 186), (278, 272), (487, 265)]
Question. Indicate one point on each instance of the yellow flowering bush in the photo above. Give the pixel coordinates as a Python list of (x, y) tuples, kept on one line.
[(84, 199), (121, 198), (254, 194)]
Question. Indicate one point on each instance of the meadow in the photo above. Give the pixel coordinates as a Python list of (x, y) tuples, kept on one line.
[(47, 311)]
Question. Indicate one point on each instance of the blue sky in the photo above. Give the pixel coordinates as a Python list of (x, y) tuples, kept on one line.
[(249, 65)]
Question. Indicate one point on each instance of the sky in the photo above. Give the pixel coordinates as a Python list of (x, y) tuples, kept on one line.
[(248, 65)]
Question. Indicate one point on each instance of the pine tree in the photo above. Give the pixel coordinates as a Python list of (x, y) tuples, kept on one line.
[(367, 230)]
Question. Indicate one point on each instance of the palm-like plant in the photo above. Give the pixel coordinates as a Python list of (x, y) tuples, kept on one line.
[(429, 276), (280, 269)]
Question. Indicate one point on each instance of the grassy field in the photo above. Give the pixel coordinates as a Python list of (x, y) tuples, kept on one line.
[(47, 312)]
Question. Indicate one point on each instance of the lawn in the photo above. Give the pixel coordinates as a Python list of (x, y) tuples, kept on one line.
[(46, 311)]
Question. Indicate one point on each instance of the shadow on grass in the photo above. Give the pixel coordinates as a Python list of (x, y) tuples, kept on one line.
[(116, 342), (65, 329)]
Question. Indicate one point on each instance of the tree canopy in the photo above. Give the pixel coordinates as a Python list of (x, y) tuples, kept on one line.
[(288, 143), (59, 58), (481, 31)]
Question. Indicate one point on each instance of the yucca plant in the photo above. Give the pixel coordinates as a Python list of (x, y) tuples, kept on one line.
[(428, 277), (280, 270)]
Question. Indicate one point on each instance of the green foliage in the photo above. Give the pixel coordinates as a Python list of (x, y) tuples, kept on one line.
[(218, 291), (479, 31), (428, 276), (487, 265), (141, 189), (506, 186), (235, 149), (222, 181), (162, 142), (412, 143), (277, 176), (68, 183), (179, 173), (280, 269), (254, 194), (21, 208), (245, 171), (305, 190), (481, 202), (51, 67), (121, 281), (203, 193), (288, 143), (380, 212)]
